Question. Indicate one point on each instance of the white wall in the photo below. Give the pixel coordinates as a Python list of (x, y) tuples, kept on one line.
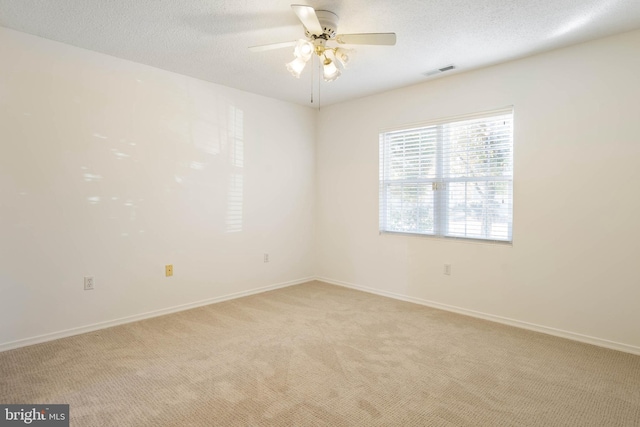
[(574, 265), (113, 169)]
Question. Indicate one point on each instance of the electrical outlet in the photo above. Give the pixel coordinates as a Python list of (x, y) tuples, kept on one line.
[(447, 269), (89, 282), (266, 258), (168, 270)]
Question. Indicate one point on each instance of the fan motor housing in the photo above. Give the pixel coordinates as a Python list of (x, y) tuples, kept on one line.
[(329, 22)]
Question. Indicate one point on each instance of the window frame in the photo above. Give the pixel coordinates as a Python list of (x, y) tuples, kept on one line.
[(441, 213)]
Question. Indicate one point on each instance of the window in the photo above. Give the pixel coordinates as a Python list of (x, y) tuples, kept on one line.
[(449, 178)]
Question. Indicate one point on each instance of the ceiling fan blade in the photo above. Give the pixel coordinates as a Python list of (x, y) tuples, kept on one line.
[(387, 39), (307, 15), (271, 46)]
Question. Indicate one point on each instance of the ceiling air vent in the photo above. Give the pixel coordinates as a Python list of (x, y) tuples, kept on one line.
[(439, 70)]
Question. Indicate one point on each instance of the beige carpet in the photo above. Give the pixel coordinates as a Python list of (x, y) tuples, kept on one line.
[(316, 355)]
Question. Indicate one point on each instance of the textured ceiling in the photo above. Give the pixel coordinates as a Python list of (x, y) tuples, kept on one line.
[(209, 39)]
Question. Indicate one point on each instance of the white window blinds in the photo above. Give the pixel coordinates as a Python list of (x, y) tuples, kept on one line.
[(449, 178)]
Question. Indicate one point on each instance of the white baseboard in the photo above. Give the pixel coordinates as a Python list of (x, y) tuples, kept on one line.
[(108, 324), (493, 318)]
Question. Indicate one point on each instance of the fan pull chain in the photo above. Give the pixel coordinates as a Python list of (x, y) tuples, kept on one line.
[(312, 79), (319, 82)]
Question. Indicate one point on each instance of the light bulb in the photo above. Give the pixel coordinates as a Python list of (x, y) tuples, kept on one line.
[(303, 50)]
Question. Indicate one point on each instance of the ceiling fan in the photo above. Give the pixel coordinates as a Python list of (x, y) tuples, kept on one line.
[(321, 27)]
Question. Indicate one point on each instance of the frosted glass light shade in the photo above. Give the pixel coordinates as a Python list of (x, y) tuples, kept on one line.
[(329, 71), (344, 55), (296, 66)]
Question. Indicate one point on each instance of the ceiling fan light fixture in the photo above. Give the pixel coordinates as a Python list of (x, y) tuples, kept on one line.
[(329, 70), (320, 27), (296, 66), (303, 50), (343, 55)]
